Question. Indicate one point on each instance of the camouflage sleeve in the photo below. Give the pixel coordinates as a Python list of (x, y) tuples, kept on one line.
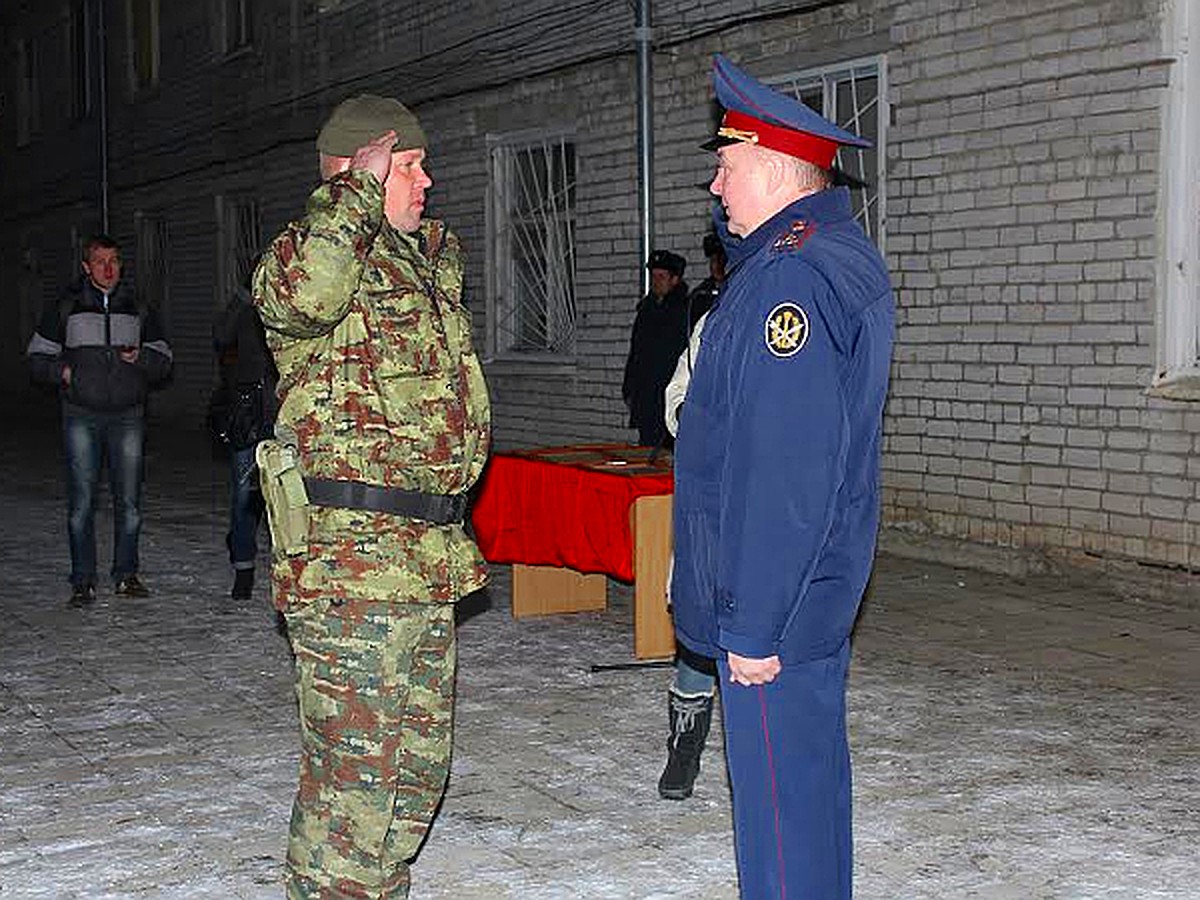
[(306, 280), (473, 389), (479, 417)]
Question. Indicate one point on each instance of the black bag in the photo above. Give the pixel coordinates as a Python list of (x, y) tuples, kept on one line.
[(237, 415)]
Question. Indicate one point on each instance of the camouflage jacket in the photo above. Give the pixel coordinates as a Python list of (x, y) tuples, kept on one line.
[(379, 381)]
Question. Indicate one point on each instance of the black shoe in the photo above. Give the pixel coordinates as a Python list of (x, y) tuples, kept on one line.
[(131, 586), (82, 595), (243, 584)]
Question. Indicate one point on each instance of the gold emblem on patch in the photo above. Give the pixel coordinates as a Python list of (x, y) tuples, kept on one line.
[(786, 329)]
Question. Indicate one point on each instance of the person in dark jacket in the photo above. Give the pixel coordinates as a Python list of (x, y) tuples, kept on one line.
[(248, 379), (690, 698), (660, 333), (704, 295), (103, 353), (777, 482)]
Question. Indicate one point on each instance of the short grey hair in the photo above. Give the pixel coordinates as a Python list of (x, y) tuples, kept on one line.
[(809, 176)]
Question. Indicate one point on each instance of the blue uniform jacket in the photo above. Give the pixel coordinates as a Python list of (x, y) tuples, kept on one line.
[(778, 454)]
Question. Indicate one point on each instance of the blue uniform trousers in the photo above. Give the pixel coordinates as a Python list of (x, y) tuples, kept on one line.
[(789, 766)]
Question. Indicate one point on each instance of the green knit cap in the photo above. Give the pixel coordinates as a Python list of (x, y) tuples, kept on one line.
[(359, 120)]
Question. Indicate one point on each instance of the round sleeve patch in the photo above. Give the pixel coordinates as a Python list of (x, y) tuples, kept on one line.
[(786, 329)]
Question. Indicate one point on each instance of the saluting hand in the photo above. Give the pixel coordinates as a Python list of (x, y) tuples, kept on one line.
[(375, 157), (746, 671)]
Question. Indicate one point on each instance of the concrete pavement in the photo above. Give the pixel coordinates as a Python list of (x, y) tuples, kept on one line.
[(1013, 739)]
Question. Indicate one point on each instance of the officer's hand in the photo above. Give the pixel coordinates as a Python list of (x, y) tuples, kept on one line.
[(375, 157), (129, 355), (747, 671), (66, 376)]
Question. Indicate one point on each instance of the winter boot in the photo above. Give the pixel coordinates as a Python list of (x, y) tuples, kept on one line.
[(690, 720), (243, 584)]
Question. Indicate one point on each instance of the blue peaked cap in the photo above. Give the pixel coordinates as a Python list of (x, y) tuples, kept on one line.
[(758, 114)]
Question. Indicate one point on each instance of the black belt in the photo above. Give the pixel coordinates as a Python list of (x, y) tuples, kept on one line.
[(440, 509)]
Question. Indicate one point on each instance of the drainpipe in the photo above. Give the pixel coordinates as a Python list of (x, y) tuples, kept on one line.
[(102, 110), (645, 133)]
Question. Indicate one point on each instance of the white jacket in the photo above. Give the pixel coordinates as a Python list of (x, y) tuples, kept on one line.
[(677, 387)]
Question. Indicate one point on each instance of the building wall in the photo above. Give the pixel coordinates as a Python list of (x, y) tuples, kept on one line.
[(1023, 178), (1022, 153), (48, 182)]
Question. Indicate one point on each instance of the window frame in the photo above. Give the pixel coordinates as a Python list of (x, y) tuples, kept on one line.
[(329, 7), (235, 40), (827, 78), (501, 264), (152, 237), (79, 53), (138, 84), (1177, 282), (238, 247), (28, 113)]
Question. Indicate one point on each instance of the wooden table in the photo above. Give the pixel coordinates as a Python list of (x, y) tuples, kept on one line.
[(569, 517)]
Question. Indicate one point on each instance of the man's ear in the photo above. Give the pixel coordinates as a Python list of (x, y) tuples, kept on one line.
[(776, 172)]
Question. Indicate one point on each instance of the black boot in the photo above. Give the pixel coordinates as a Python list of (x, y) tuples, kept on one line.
[(243, 584), (690, 721)]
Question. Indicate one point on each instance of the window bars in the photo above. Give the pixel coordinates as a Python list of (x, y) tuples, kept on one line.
[(240, 239), (533, 290), (852, 96), (152, 262)]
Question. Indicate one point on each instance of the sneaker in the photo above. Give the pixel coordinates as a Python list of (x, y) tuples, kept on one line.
[(82, 595), (131, 586)]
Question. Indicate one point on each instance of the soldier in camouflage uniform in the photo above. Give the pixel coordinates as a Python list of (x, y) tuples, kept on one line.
[(361, 299)]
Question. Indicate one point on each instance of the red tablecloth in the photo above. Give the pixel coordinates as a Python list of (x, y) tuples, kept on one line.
[(567, 506)]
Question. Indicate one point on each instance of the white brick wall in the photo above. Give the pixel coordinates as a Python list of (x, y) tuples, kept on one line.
[(1022, 178)]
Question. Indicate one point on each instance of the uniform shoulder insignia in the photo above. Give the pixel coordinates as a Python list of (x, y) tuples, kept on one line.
[(794, 237), (786, 329)]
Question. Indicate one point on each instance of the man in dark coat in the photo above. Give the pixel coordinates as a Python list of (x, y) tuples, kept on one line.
[(660, 333), (777, 489), (247, 392)]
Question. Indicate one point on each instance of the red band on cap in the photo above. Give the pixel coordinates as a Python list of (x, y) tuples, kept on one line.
[(817, 150)]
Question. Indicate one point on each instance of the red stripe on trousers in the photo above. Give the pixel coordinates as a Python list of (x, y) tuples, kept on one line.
[(762, 703)]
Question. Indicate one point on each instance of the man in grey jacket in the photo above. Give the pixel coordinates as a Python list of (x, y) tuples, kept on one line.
[(103, 353)]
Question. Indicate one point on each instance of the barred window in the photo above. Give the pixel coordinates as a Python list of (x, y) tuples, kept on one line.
[(239, 244), (151, 260), (531, 291), (854, 96)]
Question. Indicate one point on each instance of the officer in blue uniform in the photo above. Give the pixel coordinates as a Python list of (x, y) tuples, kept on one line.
[(777, 482)]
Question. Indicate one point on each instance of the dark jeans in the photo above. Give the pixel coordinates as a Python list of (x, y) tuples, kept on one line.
[(91, 438), (245, 508)]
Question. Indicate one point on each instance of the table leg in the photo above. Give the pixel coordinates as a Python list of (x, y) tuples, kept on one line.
[(546, 590), (653, 631)]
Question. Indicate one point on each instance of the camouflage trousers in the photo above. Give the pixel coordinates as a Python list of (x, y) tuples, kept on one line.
[(375, 686)]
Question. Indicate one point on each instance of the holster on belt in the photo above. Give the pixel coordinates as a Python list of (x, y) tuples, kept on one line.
[(283, 495)]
